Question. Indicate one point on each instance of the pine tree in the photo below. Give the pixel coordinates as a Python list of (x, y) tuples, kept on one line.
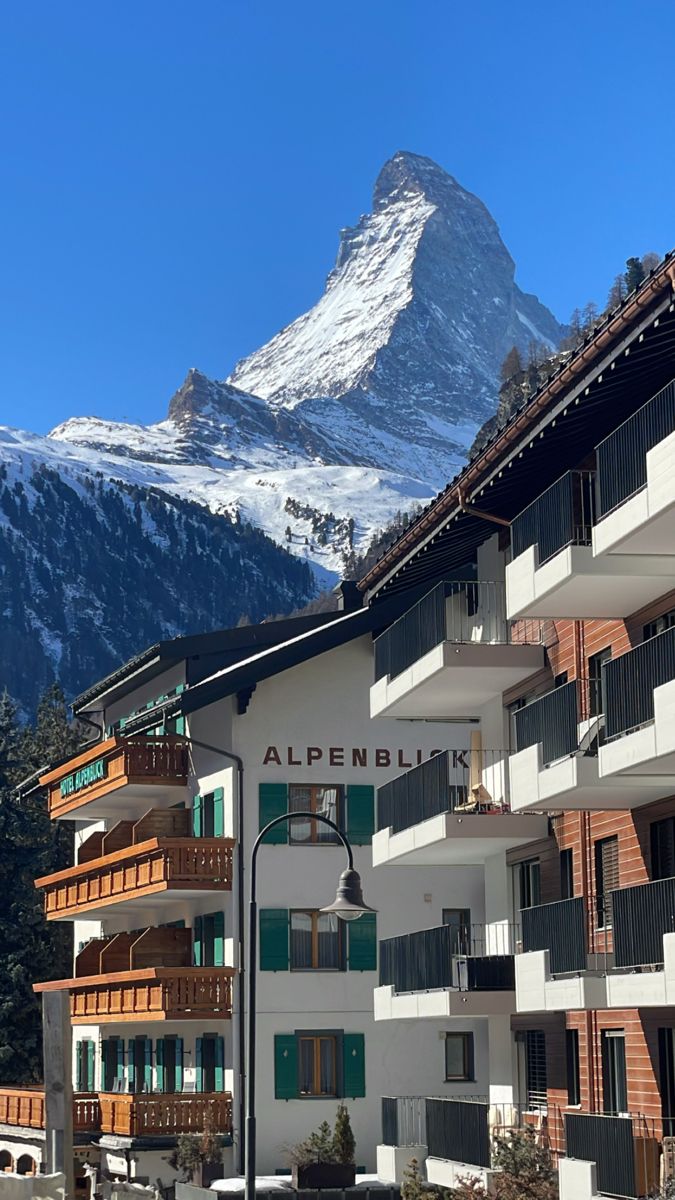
[(30, 845), (617, 293), (512, 365), (343, 1137), (635, 273)]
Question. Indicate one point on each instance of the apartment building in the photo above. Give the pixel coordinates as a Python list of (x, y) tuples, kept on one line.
[(568, 513), (203, 740)]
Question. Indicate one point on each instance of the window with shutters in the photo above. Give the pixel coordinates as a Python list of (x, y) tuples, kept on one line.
[(208, 940), (326, 799), (606, 853), (85, 1065), (459, 1057), (210, 1062), (662, 841), (208, 814), (535, 1068), (112, 1064), (317, 942), (140, 1064), (317, 1063), (169, 1055)]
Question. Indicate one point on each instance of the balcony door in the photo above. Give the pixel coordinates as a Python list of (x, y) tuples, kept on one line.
[(662, 845), (606, 852), (460, 921), (614, 1089), (529, 883)]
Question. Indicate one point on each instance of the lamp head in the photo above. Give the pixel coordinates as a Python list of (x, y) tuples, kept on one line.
[(348, 904)]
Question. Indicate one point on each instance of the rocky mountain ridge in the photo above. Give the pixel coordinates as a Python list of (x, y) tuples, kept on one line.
[(359, 409)]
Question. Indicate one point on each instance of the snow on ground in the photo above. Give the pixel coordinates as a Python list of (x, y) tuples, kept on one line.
[(371, 496)]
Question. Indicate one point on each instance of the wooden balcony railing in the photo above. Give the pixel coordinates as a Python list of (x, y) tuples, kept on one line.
[(136, 1116), (25, 1107), (114, 764), (149, 994), (156, 865)]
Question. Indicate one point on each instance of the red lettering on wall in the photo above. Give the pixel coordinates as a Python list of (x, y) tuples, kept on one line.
[(271, 755), (382, 758), (336, 756)]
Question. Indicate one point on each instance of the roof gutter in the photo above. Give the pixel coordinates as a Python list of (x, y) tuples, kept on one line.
[(451, 497)]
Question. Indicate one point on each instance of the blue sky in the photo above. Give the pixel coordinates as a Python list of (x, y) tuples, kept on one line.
[(175, 176)]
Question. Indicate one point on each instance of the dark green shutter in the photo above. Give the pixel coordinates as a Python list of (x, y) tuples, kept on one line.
[(285, 1066), (218, 813), (219, 939), (79, 1058), (273, 801), (360, 813), (162, 1081), (362, 936), (199, 1072), (219, 1056), (134, 1081), (197, 935), (274, 939), (147, 1066), (178, 1084), (353, 1065), (197, 816), (120, 1059), (90, 1051)]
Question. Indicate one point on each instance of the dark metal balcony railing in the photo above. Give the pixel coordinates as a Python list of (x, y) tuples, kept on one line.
[(456, 780), (630, 681), (641, 916), (559, 928), (562, 516), (453, 611), (622, 457), (404, 1121), (553, 721), (469, 958), (624, 1148), (458, 1130)]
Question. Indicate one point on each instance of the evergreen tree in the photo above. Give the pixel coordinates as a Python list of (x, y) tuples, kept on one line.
[(30, 845), (617, 293), (512, 365), (635, 273)]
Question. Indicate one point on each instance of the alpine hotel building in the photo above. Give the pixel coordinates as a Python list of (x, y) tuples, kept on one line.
[(491, 719)]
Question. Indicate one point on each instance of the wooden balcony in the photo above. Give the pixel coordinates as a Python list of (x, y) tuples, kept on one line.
[(112, 777), (25, 1108), (145, 1115), (153, 994), (156, 868)]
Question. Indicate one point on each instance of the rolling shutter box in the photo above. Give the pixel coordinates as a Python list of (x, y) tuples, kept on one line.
[(353, 1065), (273, 801), (362, 935), (360, 813), (285, 1066), (274, 939)]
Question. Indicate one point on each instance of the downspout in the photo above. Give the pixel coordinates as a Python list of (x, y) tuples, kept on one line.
[(239, 1007)]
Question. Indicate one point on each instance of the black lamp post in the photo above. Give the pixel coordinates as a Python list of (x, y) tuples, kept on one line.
[(348, 905)]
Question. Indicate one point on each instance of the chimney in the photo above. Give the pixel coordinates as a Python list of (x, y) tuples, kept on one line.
[(348, 595)]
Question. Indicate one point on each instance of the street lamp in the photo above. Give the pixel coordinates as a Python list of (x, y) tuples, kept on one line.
[(348, 905)]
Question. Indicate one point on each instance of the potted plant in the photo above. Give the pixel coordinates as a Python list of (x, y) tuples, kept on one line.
[(326, 1158), (194, 1151)]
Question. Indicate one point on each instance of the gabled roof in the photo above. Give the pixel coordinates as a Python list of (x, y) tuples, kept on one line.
[(228, 645), (341, 629), (638, 338)]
